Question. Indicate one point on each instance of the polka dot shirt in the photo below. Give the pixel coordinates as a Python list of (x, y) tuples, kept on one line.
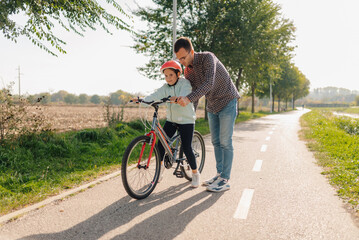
[(209, 77)]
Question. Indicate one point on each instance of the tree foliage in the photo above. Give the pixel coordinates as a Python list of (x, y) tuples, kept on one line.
[(95, 99), (250, 37), (43, 16), (290, 85)]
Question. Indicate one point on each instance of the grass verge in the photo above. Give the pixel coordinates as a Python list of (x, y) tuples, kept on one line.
[(336, 148), (38, 166)]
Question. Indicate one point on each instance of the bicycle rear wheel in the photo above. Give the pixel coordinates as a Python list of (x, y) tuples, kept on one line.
[(199, 150), (139, 176)]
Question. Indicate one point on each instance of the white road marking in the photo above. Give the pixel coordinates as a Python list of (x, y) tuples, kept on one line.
[(257, 166), (264, 148), (267, 138), (271, 132), (244, 204), (273, 128)]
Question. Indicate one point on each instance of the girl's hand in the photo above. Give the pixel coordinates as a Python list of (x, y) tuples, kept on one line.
[(135, 100), (173, 99)]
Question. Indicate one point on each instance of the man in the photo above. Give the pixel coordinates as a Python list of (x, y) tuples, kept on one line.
[(209, 77)]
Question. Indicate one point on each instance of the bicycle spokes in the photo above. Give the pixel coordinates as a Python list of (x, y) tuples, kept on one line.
[(140, 167)]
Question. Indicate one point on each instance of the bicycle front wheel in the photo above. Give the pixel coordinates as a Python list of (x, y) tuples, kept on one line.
[(199, 151), (139, 171)]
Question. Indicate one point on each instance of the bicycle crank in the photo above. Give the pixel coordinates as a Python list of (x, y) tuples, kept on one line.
[(178, 174)]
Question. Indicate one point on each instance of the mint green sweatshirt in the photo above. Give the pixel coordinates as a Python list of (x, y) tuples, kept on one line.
[(175, 112)]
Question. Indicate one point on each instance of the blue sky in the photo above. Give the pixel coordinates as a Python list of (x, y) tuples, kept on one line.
[(327, 53)]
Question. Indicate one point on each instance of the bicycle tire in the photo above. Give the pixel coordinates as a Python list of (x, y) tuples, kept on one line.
[(139, 182), (199, 148)]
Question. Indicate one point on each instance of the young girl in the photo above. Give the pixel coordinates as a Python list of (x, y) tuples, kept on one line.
[(179, 117)]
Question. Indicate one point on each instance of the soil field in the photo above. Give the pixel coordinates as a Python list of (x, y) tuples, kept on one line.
[(67, 118)]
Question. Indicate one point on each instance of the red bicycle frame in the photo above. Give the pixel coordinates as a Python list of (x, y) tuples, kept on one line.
[(152, 146)]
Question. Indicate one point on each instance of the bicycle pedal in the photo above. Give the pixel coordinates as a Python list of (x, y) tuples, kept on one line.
[(178, 174)]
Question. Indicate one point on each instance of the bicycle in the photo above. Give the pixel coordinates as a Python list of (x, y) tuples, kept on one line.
[(141, 163)]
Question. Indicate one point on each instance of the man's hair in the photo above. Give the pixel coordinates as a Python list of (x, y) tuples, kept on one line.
[(183, 42)]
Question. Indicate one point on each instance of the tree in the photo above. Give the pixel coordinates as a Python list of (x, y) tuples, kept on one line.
[(301, 89), (291, 85), (45, 97), (59, 96), (71, 98), (119, 97), (243, 34), (44, 16), (42, 98), (83, 98), (267, 38), (357, 100), (95, 99)]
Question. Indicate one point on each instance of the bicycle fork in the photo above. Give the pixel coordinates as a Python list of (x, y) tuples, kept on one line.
[(152, 143)]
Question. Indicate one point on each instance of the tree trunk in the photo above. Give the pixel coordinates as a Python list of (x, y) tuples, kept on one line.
[(278, 104), (237, 84), (272, 102), (286, 104), (239, 78), (293, 104), (253, 90)]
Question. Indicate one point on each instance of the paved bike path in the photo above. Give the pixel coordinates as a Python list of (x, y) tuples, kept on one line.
[(277, 193)]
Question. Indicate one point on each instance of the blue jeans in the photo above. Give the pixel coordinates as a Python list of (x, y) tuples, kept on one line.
[(221, 125)]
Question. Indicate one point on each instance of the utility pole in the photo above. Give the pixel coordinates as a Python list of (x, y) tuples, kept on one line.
[(19, 73), (174, 31)]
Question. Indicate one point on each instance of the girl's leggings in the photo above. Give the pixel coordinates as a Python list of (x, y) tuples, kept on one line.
[(186, 132)]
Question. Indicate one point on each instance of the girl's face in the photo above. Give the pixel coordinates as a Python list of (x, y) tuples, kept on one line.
[(171, 76)]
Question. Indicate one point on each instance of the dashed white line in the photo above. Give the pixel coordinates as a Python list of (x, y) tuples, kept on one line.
[(271, 132), (244, 204), (264, 148), (267, 138), (257, 166)]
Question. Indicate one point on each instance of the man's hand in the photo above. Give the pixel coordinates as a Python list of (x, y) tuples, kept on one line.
[(183, 101)]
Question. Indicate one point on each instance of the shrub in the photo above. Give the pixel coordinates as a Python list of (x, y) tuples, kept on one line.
[(17, 118), (348, 124), (136, 125)]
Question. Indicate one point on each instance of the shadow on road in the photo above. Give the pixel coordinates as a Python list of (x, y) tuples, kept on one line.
[(166, 224)]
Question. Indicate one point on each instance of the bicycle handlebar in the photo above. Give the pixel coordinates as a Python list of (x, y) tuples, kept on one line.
[(152, 103)]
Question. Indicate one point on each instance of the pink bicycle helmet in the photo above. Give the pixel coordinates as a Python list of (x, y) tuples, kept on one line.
[(171, 64)]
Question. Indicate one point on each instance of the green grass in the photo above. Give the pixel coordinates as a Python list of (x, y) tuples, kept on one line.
[(352, 110), (38, 166), (336, 148)]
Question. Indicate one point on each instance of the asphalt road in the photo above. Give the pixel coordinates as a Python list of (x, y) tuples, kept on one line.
[(277, 192)]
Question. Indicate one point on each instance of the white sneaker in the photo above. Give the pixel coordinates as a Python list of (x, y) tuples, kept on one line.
[(195, 179), (161, 172), (219, 185), (211, 180)]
